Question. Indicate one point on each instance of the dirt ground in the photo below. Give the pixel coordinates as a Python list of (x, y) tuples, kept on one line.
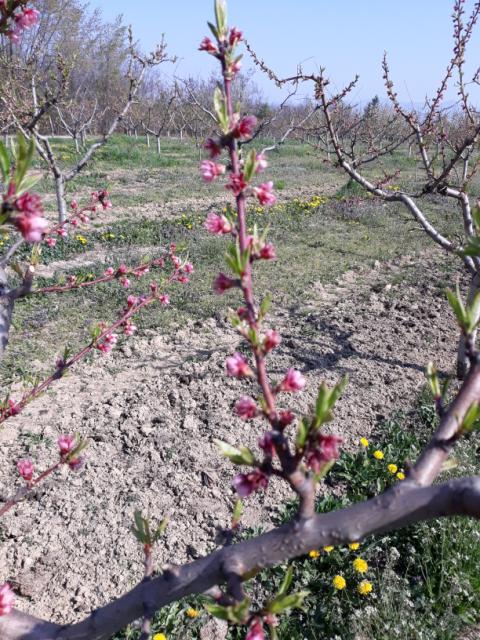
[(152, 409)]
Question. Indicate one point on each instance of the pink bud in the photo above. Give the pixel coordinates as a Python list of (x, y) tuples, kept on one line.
[(74, 205), (293, 381), (77, 463), (122, 269), (267, 252), (266, 444), (125, 282), (109, 272), (328, 445), (237, 366), (51, 242), (31, 226), (74, 222), (261, 163), (66, 444), (131, 301), (208, 46), (245, 127), (188, 267), (129, 329), (236, 36), (236, 183), (217, 224), (7, 599), (286, 417), (211, 170), (61, 232), (255, 631), (164, 299), (213, 148), (272, 340), (264, 193), (246, 408), (247, 483), (222, 283), (25, 469), (14, 409)]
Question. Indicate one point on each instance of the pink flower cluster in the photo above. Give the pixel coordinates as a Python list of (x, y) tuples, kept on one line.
[(66, 445), (218, 225), (29, 218), (325, 451), (108, 342), (293, 381), (24, 19), (211, 170), (255, 632), (237, 366)]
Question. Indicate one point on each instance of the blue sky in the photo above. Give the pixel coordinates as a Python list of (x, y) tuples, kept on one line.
[(345, 36)]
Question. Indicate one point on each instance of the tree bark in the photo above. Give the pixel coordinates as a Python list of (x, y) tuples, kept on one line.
[(60, 194), (462, 360)]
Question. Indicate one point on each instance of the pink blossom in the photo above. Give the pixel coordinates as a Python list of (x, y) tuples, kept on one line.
[(261, 163), (74, 205), (222, 283), (217, 224), (122, 269), (211, 170), (25, 469), (266, 444), (286, 417), (132, 301), (267, 252), (214, 149), (74, 222), (208, 46), (247, 483), (31, 227), (293, 381), (129, 329), (183, 279), (237, 366), (328, 445), (61, 232), (71, 279), (84, 218), (272, 340), (246, 408), (236, 183), (264, 193), (188, 267), (236, 36), (14, 409), (109, 341), (7, 599), (125, 282), (66, 444), (245, 127), (28, 203), (164, 299), (176, 261), (27, 18), (109, 271), (51, 242), (256, 631)]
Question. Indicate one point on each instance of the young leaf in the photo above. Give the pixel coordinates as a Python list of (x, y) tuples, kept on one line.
[(281, 603), (237, 456), (4, 162)]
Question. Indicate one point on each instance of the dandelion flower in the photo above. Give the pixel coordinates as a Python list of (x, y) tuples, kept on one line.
[(191, 613), (364, 442), (360, 565), (392, 468), (379, 455), (328, 549), (159, 636), (365, 587), (314, 553), (354, 546), (401, 475), (339, 583)]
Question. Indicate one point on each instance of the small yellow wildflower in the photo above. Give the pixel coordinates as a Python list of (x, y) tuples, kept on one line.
[(314, 553), (360, 565), (379, 455), (364, 442), (365, 587), (354, 546), (81, 239), (392, 468), (191, 613), (328, 549), (159, 636), (400, 475), (339, 583)]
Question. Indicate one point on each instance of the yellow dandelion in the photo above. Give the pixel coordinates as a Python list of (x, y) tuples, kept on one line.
[(339, 583), (400, 475), (364, 442), (328, 549), (354, 546), (81, 239), (314, 553), (191, 613), (392, 468), (159, 636), (360, 565), (379, 455), (365, 587)]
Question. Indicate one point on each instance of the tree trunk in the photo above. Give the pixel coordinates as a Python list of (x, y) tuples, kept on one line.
[(148, 140), (462, 360), (159, 148), (6, 310), (61, 204), (77, 145)]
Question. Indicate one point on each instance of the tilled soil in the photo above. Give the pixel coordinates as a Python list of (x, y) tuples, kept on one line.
[(152, 409)]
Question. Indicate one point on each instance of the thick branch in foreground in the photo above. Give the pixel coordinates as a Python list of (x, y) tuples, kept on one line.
[(403, 504)]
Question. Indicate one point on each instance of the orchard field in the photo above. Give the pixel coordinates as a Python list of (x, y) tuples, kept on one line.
[(357, 289)]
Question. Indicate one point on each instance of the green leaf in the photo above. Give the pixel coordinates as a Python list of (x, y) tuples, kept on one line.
[(433, 381), (213, 29), (237, 511), (27, 184), (326, 400), (293, 601), (23, 159), (302, 433), (458, 308), (217, 611), (287, 581), (4, 162), (237, 456), (250, 165), (238, 614), (221, 17), (264, 307), (470, 421)]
